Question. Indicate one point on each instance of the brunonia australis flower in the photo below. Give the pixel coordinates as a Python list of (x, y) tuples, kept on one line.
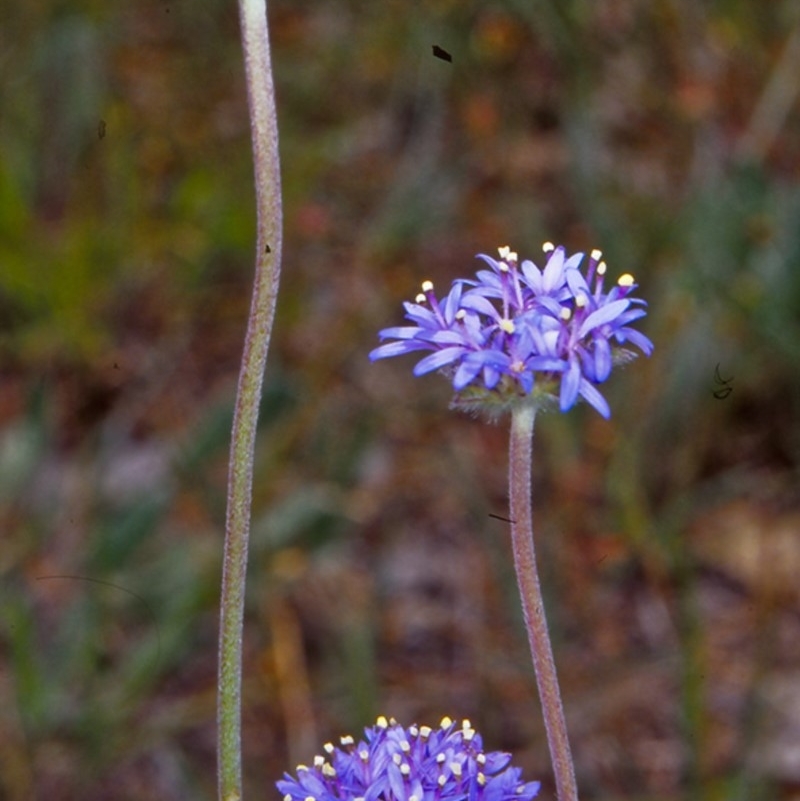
[(418, 763), (520, 334)]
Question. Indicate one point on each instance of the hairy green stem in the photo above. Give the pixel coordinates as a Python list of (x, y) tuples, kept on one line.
[(264, 133), (532, 604)]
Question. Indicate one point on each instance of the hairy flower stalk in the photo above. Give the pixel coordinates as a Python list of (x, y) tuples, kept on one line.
[(519, 480), (418, 763), (264, 131), (517, 338)]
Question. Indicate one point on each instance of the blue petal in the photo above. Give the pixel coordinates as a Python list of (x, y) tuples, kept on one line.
[(475, 362), (546, 337), (400, 332), (533, 276), (570, 384), (529, 790), (602, 359), (577, 283), (452, 302), (551, 305), (473, 329), (437, 360), (487, 292), (592, 396), (587, 363), (466, 373), (491, 376), (525, 379), (554, 271), (488, 280), (630, 316), (396, 782), (546, 364), (637, 337), (605, 314), (478, 303), (490, 261), (311, 783), (419, 314), (448, 338), (397, 349)]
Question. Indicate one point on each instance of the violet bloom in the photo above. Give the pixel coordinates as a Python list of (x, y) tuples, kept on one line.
[(419, 763), (517, 331)]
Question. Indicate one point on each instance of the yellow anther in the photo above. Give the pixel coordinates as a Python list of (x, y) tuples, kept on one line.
[(328, 770), (626, 280), (363, 755), (565, 314), (347, 740), (427, 286), (601, 268), (581, 301), (460, 315), (455, 768), (548, 246), (596, 254), (300, 768), (446, 722), (481, 759), (397, 759), (405, 746), (481, 779), (440, 758), (382, 723), (405, 769), (328, 747), (420, 298), (508, 327), (507, 254), (441, 781), (319, 761), (425, 731), (465, 724)]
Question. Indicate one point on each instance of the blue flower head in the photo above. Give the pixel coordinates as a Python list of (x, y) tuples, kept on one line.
[(518, 333), (419, 763)]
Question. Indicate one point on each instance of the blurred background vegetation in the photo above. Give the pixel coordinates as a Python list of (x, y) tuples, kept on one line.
[(666, 132)]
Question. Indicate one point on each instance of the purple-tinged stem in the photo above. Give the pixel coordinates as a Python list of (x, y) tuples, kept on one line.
[(520, 453), (264, 133)]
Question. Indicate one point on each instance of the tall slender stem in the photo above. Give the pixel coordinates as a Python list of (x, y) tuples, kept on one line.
[(521, 449), (264, 133)]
